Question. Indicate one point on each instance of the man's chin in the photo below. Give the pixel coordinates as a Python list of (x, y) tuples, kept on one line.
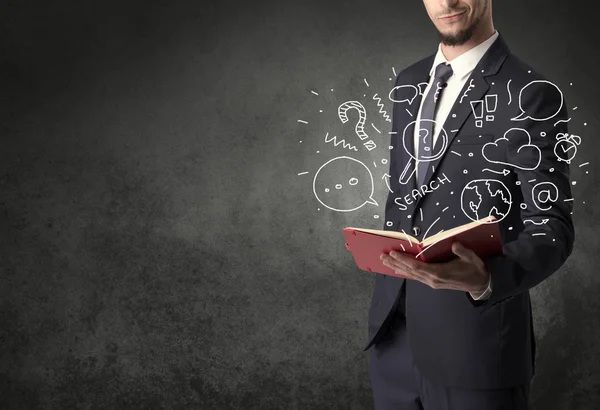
[(455, 39)]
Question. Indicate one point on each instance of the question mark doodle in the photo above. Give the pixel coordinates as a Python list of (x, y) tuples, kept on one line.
[(360, 125), (426, 134)]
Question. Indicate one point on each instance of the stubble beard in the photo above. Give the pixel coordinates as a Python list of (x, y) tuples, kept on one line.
[(459, 38)]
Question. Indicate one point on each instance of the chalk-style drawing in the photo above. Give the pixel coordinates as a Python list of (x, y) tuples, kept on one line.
[(422, 87), (492, 150), (348, 196), (547, 194), (508, 89), (381, 108), (438, 87), (559, 121), (360, 125), (477, 108), (411, 164), (565, 148), (532, 89), (386, 177), (480, 191), (407, 238), (543, 222), (481, 107), (430, 226), (336, 143), (491, 103), (471, 86), (406, 93), (375, 128)]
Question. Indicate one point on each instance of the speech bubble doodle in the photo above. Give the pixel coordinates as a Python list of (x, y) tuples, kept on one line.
[(406, 93), (352, 182), (529, 93), (422, 87)]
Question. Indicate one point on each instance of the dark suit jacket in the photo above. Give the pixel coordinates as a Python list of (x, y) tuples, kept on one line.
[(455, 340)]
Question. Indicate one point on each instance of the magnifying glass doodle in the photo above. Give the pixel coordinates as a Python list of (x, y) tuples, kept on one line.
[(411, 165)]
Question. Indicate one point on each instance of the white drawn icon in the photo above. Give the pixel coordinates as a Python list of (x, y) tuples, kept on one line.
[(528, 155), (405, 93), (343, 142), (543, 193), (422, 87), (531, 92), (471, 86), (481, 198), (481, 107), (344, 184), (411, 164), (565, 148), (360, 125), (381, 108)]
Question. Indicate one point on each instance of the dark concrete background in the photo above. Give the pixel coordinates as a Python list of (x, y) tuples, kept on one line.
[(158, 248)]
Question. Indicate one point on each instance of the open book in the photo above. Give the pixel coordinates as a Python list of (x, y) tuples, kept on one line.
[(366, 245)]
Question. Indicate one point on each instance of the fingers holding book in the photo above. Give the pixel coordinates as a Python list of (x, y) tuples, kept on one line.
[(466, 272)]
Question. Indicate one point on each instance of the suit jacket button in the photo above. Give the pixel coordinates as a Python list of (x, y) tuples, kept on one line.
[(416, 230)]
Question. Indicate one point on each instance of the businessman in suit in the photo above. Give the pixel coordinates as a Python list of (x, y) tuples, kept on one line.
[(477, 140)]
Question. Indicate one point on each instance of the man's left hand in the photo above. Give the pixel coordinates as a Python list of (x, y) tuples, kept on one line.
[(467, 272)]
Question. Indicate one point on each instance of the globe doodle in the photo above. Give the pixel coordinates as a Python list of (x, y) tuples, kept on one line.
[(481, 198)]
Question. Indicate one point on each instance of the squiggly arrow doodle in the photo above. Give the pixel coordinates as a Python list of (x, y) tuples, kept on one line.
[(381, 108), (544, 221), (343, 142)]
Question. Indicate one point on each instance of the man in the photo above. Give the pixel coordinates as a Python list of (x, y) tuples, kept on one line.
[(459, 335)]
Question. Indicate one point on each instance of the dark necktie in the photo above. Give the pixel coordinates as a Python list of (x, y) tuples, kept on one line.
[(442, 72)]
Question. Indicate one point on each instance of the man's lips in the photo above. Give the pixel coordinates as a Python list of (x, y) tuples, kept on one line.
[(452, 16)]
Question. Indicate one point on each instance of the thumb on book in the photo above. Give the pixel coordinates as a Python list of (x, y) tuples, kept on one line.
[(459, 250)]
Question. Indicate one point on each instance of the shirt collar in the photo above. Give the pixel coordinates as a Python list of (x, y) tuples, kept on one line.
[(466, 62)]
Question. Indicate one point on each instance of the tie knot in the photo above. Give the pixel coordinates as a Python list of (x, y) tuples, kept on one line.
[(443, 71)]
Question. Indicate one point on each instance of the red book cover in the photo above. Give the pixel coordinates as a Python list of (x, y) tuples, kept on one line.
[(367, 245)]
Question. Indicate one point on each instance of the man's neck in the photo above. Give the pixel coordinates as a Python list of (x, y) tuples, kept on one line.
[(451, 52)]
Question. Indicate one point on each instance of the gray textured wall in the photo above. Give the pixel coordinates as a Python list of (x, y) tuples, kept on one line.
[(158, 248)]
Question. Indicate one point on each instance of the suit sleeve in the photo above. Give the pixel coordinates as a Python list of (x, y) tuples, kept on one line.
[(539, 250)]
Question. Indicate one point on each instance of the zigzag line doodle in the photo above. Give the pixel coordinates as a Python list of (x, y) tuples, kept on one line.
[(343, 142), (381, 108)]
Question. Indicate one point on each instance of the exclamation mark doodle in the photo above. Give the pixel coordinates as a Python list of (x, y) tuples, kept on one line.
[(477, 107), (491, 101)]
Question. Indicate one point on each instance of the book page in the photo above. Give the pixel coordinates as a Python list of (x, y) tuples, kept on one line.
[(390, 234), (457, 230)]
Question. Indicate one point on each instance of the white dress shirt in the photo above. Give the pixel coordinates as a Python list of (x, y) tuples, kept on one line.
[(462, 67)]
